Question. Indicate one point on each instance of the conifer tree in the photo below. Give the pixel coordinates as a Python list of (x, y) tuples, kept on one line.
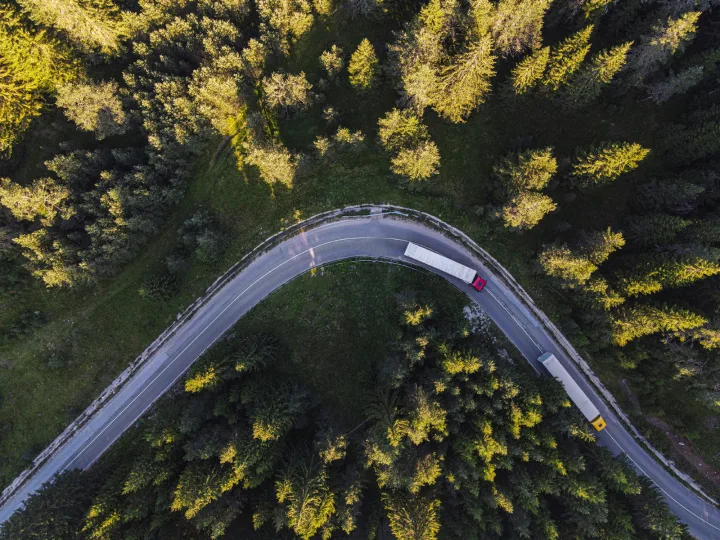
[(403, 135), (566, 58), (31, 65), (657, 49), (93, 24), (675, 84), (599, 245), (587, 84), (464, 84), (418, 163), (531, 169), (412, 517), (94, 107), (527, 74), (526, 209), (307, 498), (363, 67), (668, 269), (607, 162), (662, 196), (560, 262), (654, 229), (644, 319), (517, 25)]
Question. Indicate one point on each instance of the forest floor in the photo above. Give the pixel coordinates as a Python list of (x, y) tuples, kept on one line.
[(684, 447)]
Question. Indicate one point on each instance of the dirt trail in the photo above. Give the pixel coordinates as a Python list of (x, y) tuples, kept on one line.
[(683, 446)]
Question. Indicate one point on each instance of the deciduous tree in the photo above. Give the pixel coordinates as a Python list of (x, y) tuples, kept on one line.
[(332, 61)]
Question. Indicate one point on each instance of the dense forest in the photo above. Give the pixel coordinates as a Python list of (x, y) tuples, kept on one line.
[(455, 443), (581, 136)]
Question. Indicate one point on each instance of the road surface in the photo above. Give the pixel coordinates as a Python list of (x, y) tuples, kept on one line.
[(372, 237)]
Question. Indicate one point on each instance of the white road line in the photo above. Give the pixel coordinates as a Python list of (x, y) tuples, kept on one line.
[(516, 321), (656, 485), (203, 331)]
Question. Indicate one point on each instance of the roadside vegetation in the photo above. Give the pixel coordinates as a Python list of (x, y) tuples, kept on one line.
[(147, 145), (334, 410)]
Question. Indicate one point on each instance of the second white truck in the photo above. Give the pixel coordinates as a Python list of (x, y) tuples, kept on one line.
[(578, 397)]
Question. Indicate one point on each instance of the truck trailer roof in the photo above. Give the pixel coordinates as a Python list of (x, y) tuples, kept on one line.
[(440, 262), (578, 397)]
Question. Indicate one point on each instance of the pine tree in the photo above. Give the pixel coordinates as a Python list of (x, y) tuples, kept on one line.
[(412, 517), (529, 71), (55, 511), (403, 134), (31, 65), (667, 269), (363, 67), (526, 209), (332, 61), (560, 262), (464, 84), (43, 200), (607, 162), (644, 319), (566, 58), (93, 107), (308, 501), (288, 93), (517, 25), (401, 129), (418, 163), (679, 198), (657, 49), (93, 24), (654, 229), (531, 169), (587, 84), (675, 84), (599, 245)]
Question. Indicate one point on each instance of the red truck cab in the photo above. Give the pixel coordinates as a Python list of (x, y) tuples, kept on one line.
[(478, 283)]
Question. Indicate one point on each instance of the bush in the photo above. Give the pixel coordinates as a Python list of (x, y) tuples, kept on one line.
[(159, 286), (201, 236)]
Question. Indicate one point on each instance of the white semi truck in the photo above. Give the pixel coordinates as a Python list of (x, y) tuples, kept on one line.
[(578, 397), (455, 269)]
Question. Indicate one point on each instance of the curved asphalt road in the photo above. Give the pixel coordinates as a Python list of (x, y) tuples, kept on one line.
[(371, 236)]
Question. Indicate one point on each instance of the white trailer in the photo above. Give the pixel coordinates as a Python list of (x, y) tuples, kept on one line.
[(455, 269), (578, 397)]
